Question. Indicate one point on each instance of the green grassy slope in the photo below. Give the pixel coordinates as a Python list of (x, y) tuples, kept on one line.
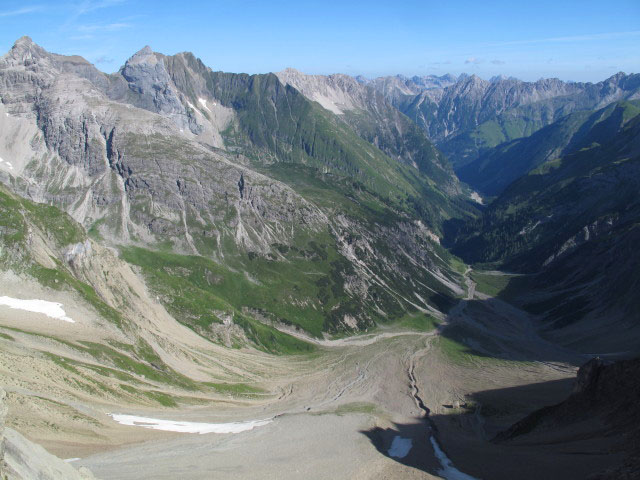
[(276, 123), (539, 212), (21, 218)]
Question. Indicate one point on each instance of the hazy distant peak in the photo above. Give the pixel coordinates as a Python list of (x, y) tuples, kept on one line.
[(291, 71), (503, 78)]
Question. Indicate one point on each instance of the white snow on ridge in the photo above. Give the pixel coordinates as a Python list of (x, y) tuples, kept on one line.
[(400, 447), (50, 309), (188, 427)]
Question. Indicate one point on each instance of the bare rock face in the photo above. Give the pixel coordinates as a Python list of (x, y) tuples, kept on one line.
[(602, 388), (148, 79), (105, 145), (27, 461)]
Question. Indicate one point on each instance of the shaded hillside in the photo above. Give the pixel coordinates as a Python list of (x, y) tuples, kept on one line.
[(603, 407), (527, 226), (573, 224), (494, 170)]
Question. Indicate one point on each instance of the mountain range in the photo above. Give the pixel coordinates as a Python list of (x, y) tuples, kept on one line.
[(467, 118), (251, 241)]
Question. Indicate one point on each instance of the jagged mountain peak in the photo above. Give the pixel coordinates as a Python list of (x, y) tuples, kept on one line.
[(147, 76), (503, 78), (291, 71), (24, 40), (290, 74), (473, 78), (144, 55), (26, 49), (617, 76)]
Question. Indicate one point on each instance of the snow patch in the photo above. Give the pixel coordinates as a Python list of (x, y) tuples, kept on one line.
[(527, 229), (188, 427), (400, 447), (448, 471), (203, 102), (69, 460), (475, 196), (9, 165), (50, 309)]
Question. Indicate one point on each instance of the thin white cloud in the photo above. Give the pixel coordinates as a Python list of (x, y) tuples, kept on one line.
[(473, 60), (81, 37), (21, 11), (90, 6), (574, 38), (103, 59), (498, 62), (108, 27), (87, 6)]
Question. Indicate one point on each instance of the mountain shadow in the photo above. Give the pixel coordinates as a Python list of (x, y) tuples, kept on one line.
[(466, 433)]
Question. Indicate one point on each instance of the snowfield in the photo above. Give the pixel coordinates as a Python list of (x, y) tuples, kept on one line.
[(188, 427), (400, 447), (50, 309)]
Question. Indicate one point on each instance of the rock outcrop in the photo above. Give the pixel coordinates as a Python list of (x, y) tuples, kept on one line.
[(21, 459)]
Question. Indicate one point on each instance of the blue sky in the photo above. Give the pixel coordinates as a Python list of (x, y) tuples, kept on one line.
[(573, 40)]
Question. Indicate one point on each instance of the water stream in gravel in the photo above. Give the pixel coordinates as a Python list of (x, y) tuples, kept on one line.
[(448, 470)]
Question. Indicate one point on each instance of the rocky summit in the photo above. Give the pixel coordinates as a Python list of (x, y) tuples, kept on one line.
[(207, 274)]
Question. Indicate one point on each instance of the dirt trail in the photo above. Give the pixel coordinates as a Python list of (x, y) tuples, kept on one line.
[(471, 285)]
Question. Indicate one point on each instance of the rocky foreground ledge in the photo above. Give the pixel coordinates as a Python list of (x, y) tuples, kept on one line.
[(21, 459), (604, 404)]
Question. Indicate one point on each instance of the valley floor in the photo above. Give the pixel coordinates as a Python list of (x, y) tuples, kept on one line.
[(357, 410)]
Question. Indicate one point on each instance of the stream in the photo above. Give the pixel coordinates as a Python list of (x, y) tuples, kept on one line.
[(448, 470)]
